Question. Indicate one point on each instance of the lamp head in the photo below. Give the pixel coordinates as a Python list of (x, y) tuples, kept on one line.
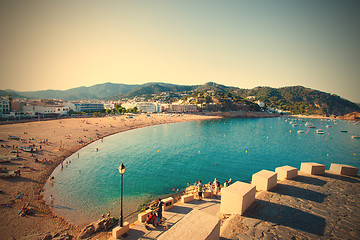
[(122, 169)]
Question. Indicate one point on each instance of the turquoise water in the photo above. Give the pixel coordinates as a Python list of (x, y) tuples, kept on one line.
[(163, 157)]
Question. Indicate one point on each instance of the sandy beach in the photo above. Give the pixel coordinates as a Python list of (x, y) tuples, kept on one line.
[(54, 140)]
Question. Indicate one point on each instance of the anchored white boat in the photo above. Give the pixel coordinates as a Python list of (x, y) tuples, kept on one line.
[(319, 131)]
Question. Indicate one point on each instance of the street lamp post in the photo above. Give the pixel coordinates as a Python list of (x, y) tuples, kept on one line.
[(121, 171)]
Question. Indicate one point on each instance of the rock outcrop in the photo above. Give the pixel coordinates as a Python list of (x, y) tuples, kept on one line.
[(98, 226), (50, 236), (351, 116)]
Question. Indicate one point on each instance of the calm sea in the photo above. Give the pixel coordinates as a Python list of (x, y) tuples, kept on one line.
[(161, 158)]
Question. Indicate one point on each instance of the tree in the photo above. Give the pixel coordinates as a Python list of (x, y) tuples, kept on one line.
[(208, 99), (132, 110)]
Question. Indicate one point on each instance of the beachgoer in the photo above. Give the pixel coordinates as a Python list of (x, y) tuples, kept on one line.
[(210, 189), (200, 190), (226, 184), (159, 210), (217, 187), (52, 199), (151, 219), (230, 181), (108, 214)]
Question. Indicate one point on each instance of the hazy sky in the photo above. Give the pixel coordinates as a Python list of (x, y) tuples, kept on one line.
[(65, 44)]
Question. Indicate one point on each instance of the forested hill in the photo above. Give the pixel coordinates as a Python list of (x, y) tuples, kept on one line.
[(296, 99), (301, 100)]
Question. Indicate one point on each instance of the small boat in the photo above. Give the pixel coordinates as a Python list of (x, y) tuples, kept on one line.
[(29, 149), (13, 137), (311, 126), (344, 131), (355, 137), (295, 125), (319, 131), (300, 131)]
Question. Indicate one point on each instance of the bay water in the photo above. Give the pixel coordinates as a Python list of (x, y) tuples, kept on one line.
[(163, 158)]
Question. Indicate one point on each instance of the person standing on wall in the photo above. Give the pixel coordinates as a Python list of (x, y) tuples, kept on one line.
[(159, 210), (200, 189), (217, 187)]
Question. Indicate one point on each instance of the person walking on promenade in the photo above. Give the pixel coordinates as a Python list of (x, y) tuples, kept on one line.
[(200, 190), (159, 210), (217, 187)]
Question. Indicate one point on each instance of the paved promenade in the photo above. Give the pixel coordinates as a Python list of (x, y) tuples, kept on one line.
[(172, 216), (307, 207)]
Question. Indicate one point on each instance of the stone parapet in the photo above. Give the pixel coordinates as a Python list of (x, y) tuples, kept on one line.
[(206, 194), (187, 198), (264, 180), (118, 231), (236, 198), (286, 172), (168, 203), (143, 216), (312, 168), (344, 169)]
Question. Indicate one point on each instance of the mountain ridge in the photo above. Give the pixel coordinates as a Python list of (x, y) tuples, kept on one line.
[(295, 99)]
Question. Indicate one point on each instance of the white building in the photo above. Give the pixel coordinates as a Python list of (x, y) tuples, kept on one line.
[(109, 105), (70, 105), (45, 109), (180, 108), (83, 107), (4, 106), (261, 104), (149, 107), (146, 107)]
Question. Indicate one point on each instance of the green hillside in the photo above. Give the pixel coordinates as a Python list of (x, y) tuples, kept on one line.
[(301, 100), (213, 96), (156, 88)]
